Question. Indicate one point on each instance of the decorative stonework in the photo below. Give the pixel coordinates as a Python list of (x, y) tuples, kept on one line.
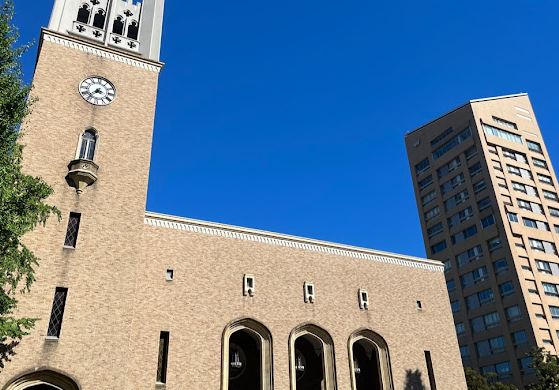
[(104, 53), (214, 229)]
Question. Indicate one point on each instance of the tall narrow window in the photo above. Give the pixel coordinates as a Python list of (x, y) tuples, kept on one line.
[(430, 372), (99, 19), (163, 357), (118, 25), (72, 230), (57, 314), (133, 30), (83, 14), (88, 144)]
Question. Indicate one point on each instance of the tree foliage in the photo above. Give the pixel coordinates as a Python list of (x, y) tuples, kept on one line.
[(476, 381), (546, 368), (22, 197)]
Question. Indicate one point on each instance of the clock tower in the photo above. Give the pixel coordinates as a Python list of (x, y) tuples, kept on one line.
[(89, 136)]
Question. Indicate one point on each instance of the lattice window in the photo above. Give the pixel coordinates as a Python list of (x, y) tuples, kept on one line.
[(57, 314), (72, 230), (163, 356)]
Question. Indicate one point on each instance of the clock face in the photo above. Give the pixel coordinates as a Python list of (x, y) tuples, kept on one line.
[(97, 91)]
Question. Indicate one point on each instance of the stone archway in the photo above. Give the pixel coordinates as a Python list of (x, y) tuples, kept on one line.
[(43, 380), (369, 361)]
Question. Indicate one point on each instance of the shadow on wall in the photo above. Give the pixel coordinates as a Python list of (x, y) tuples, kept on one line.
[(6, 352), (414, 381)]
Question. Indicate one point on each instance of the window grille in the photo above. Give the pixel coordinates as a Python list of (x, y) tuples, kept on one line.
[(57, 314), (72, 230)]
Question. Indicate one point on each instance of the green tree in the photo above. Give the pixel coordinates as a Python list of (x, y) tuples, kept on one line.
[(22, 197), (546, 367), (476, 381)]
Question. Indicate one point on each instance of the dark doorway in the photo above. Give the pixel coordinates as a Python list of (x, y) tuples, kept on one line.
[(83, 14), (309, 363), (99, 19), (118, 26), (133, 30), (245, 357), (366, 366)]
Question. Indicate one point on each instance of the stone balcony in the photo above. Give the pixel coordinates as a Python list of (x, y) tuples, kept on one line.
[(81, 174), (90, 32), (124, 43)]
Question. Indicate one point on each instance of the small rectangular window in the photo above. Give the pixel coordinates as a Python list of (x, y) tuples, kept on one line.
[(57, 313), (309, 292), (249, 285), (170, 275), (430, 372), (163, 357), (72, 230)]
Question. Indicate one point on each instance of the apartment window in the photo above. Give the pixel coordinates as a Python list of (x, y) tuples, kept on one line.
[(532, 223), (484, 203), (491, 346), (57, 313), (476, 276), (479, 299), (455, 306), (475, 169), (425, 200), (545, 179), (452, 143), (544, 246), (550, 289), (435, 229), (448, 167), (494, 244), (471, 152), (441, 136), (451, 184), (479, 186), (456, 200), (492, 149), (464, 352), (527, 189), (554, 311), (526, 174), (468, 256), (461, 329), (488, 221), (512, 217), (556, 227), (554, 212), (429, 215), (530, 206), (519, 337), (506, 288), (550, 195), (505, 123), (422, 166), (450, 285), (517, 156), (424, 183), (539, 163), (72, 230), (513, 313), (534, 146), (439, 246), (463, 235), (544, 266), (500, 265), (507, 135), (163, 357), (525, 365), (487, 321), (460, 217), (447, 265)]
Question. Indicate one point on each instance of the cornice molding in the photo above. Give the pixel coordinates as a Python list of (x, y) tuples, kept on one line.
[(100, 51), (228, 231)]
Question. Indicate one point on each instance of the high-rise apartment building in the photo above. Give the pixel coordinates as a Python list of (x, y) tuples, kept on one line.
[(489, 208)]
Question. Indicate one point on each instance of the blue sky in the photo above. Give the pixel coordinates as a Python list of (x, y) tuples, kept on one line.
[(290, 116)]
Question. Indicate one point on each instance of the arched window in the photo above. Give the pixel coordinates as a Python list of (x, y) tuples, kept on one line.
[(247, 356), (83, 14), (43, 380), (118, 25), (99, 19), (87, 145), (312, 359), (369, 362), (133, 30)]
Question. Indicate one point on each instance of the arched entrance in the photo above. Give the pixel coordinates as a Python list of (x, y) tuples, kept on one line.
[(43, 380), (312, 359), (247, 356), (369, 362)]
